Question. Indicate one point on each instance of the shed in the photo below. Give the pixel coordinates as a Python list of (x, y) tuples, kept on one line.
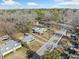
[(36, 56)]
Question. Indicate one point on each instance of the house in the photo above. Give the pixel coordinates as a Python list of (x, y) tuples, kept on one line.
[(28, 38), (36, 56), (5, 37), (39, 30), (64, 56), (71, 50), (9, 46), (74, 36), (75, 45)]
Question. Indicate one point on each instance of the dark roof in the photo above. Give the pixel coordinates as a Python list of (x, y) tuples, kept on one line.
[(36, 56)]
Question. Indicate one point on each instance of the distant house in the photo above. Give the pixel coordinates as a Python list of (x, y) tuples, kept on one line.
[(4, 37), (64, 56), (28, 38), (74, 37), (39, 30), (75, 45), (71, 50), (9, 46), (36, 56)]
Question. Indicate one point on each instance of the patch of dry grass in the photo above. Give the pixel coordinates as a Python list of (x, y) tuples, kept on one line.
[(34, 45), (19, 54)]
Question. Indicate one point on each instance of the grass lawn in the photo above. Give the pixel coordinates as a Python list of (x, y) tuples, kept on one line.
[(19, 54), (34, 45)]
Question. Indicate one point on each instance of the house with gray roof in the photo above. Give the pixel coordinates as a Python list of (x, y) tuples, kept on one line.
[(4, 37), (9, 46), (39, 30), (28, 38)]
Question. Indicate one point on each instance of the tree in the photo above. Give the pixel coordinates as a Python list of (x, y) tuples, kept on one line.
[(55, 14), (56, 54), (7, 28), (51, 55), (24, 27), (40, 14)]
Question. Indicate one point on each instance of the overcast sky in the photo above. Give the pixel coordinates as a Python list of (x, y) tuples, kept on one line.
[(13, 4)]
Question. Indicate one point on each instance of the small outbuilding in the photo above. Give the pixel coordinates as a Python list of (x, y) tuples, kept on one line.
[(28, 38)]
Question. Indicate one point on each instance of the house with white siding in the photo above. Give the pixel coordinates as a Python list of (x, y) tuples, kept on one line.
[(4, 37), (9, 46), (39, 30)]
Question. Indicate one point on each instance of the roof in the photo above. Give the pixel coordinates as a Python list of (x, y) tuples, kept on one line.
[(36, 56), (10, 44), (4, 37), (28, 38), (73, 34), (39, 30)]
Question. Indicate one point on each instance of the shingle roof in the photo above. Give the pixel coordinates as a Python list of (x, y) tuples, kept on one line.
[(4, 37), (28, 38), (39, 30), (10, 44)]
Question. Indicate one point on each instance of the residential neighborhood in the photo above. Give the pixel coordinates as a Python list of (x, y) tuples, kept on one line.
[(39, 29)]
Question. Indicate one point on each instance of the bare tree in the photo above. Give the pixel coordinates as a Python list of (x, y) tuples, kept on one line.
[(7, 28)]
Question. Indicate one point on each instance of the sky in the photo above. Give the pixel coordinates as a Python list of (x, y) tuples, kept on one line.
[(20, 4)]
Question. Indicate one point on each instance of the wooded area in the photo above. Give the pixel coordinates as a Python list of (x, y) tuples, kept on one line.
[(13, 21)]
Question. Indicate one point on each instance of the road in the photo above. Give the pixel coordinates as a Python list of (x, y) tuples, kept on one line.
[(51, 44)]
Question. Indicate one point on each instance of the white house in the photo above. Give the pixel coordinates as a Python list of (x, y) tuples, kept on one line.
[(39, 30), (9, 46), (4, 37)]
